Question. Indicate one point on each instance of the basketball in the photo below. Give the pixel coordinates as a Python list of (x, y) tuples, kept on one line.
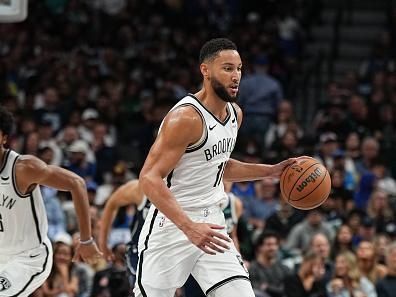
[(305, 184)]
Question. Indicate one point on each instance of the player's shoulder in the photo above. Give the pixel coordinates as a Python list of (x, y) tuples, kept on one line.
[(183, 116), (29, 163)]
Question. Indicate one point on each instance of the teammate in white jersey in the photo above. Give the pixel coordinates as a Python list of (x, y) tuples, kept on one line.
[(184, 231), (25, 250)]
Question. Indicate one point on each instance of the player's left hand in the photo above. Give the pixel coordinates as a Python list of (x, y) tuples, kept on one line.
[(277, 169), (89, 253)]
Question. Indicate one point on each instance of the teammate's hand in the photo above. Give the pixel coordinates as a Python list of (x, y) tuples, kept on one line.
[(277, 169), (89, 253), (205, 237), (107, 253)]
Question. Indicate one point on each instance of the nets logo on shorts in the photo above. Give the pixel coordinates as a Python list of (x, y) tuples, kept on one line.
[(4, 284)]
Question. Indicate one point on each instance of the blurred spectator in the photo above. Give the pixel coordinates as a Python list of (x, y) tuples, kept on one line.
[(367, 260), (260, 95), (386, 287), (284, 219), (370, 150), (381, 242), (379, 210), (78, 160), (342, 241), (320, 245), (119, 175), (285, 120), (348, 280), (264, 204), (301, 234), (62, 280), (308, 281), (343, 197), (328, 144), (384, 181), (113, 281), (288, 147), (266, 271)]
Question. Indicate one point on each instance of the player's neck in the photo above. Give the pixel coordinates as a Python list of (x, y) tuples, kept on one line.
[(213, 103)]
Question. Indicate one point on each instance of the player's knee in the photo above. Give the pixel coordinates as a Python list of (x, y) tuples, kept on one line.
[(235, 288)]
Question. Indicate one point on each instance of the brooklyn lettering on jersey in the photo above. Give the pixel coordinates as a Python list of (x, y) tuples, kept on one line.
[(6, 201), (226, 145)]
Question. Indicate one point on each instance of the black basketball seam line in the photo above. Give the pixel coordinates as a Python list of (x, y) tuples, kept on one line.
[(311, 207), (288, 167), (288, 198), (313, 189)]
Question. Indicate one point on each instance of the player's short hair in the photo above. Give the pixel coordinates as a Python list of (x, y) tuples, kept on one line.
[(6, 121), (212, 48)]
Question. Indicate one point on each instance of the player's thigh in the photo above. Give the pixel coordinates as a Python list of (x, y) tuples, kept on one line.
[(213, 271), (23, 274), (234, 288)]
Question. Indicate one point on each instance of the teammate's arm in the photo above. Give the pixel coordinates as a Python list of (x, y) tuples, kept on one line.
[(31, 172), (236, 171), (181, 127), (128, 193)]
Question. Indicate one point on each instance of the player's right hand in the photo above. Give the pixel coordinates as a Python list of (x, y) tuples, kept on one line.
[(107, 253), (205, 237), (90, 253)]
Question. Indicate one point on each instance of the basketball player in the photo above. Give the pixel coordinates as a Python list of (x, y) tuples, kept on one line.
[(184, 231), (129, 193), (25, 250)]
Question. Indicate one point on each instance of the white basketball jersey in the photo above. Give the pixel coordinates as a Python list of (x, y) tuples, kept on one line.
[(196, 181), (23, 220)]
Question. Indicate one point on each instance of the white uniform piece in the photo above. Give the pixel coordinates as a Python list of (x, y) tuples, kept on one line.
[(25, 250), (166, 256)]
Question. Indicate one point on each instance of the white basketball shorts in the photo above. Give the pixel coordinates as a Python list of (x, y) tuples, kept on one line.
[(167, 257), (22, 274)]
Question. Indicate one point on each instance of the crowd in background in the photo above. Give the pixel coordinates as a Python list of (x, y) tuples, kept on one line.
[(90, 81)]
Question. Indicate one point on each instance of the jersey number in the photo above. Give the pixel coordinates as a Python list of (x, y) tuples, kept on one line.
[(220, 173), (1, 224)]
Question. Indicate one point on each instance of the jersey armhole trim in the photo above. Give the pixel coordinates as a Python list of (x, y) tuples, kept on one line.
[(235, 112), (14, 182), (204, 137)]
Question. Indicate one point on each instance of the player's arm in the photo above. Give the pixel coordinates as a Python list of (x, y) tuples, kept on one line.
[(127, 194), (236, 171), (238, 211), (181, 127), (31, 171)]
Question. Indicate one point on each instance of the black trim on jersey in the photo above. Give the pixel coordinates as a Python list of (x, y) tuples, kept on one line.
[(198, 145), (169, 179), (141, 254), (221, 122), (235, 112), (5, 159), (36, 221), (34, 275), (14, 181), (225, 281)]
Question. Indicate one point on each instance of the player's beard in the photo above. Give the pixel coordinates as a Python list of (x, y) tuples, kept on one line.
[(221, 91)]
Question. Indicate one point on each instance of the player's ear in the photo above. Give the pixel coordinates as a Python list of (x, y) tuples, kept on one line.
[(5, 138), (204, 70)]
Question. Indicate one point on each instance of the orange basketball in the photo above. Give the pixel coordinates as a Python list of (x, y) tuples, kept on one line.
[(305, 184)]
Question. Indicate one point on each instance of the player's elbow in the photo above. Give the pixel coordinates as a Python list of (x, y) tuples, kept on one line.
[(78, 182), (146, 181)]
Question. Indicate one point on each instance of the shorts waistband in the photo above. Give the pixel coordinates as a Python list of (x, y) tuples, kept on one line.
[(205, 211)]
